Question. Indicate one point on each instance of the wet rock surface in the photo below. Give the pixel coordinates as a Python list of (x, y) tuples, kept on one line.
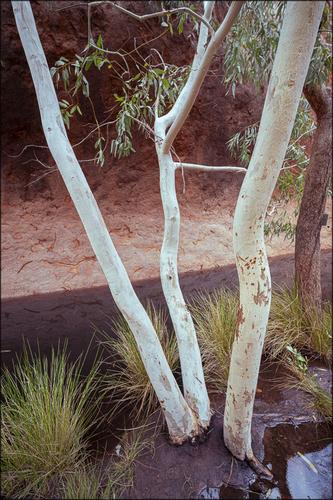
[(287, 437)]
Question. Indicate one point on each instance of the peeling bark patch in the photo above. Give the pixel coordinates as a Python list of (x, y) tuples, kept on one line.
[(248, 396), (260, 297), (240, 319), (165, 382)]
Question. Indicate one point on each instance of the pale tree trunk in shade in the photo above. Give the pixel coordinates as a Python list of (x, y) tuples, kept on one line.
[(297, 39), (309, 223), (166, 129), (181, 421)]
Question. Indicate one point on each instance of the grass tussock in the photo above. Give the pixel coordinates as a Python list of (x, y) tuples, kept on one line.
[(47, 410), (321, 400), (292, 325), (109, 478), (215, 318), (127, 380), (295, 335)]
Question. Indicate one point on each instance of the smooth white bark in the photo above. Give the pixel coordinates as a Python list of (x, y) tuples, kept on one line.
[(297, 39), (180, 419), (195, 390), (202, 60)]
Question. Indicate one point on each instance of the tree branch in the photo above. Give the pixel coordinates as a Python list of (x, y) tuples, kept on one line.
[(163, 13), (191, 89), (195, 166)]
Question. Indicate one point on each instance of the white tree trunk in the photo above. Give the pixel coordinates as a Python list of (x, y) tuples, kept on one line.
[(195, 390), (180, 419), (297, 39)]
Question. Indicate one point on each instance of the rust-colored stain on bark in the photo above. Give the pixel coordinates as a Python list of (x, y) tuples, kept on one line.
[(165, 383), (260, 297), (240, 319), (248, 396)]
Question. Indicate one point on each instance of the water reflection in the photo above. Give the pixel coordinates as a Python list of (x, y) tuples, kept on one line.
[(300, 458)]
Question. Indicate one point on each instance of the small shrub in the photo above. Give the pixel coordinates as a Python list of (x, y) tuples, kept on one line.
[(47, 410), (126, 379), (215, 317)]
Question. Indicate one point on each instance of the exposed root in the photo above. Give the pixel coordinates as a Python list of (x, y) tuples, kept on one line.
[(259, 468)]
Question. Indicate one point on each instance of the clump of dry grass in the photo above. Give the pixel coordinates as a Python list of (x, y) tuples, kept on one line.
[(292, 325), (294, 334), (215, 318), (127, 380), (291, 332), (321, 400), (108, 480), (47, 410)]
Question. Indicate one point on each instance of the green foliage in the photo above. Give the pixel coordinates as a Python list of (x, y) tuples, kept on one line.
[(249, 56), (296, 358), (178, 20), (321, 62), (215, 317), (47, 410), (251, 44), (291, 179), (280, 225), (253, 40), (241, 144), (135, 104), (68, 110), (126, 380)]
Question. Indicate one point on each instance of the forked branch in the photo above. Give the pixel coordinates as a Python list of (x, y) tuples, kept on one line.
[(162, 13)]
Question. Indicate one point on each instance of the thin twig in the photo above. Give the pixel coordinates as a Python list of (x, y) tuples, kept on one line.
[(194, 166), (25, 147), (162, 13)]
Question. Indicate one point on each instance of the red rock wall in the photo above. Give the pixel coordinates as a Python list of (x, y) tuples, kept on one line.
[(64, 32)]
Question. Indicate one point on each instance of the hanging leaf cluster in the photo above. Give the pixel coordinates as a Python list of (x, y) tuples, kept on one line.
[(251, 45)]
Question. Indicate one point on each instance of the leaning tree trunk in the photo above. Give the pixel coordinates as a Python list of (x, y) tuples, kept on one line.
[(297, 38), (166, 129), (180, 419), (307, 244)]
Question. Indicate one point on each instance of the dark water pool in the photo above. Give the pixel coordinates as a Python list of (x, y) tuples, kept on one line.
[(300, 457)]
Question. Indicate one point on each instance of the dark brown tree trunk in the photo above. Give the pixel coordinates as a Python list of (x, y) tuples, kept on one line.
[(307, 245)]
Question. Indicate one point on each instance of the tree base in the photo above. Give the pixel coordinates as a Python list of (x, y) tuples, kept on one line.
[(198, 438)]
